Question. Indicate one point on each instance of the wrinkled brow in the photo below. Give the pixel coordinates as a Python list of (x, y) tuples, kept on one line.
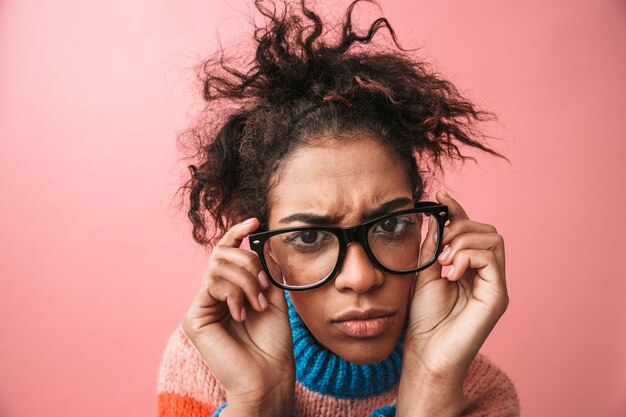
[(326, 220)]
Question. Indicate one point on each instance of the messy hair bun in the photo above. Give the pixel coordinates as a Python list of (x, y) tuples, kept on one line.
[(301, 87)]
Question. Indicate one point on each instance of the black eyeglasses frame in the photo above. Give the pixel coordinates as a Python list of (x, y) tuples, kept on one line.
[(346, 235)]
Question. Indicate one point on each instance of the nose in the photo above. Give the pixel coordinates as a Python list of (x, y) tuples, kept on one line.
[(357, 272)]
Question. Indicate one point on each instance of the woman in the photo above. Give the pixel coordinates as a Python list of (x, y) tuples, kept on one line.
[(316, 158)]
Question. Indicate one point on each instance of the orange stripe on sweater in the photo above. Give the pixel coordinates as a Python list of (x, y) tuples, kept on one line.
[(175, 405)]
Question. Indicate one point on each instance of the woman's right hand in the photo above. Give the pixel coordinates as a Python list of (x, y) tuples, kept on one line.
[(246, 344)]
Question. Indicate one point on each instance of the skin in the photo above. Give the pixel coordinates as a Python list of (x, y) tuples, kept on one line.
[(237, 317)]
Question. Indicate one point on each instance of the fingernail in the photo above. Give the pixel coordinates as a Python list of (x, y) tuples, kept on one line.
[(243, 313), (265, 283), (250, 220), (450, 272), (444, 254), (262, 301)]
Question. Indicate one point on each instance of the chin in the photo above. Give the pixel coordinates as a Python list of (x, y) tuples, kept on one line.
[(364, 352)]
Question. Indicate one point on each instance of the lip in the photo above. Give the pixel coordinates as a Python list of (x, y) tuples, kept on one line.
[(364, 323)]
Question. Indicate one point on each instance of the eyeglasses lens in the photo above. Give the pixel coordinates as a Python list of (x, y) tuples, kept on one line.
[(300, 258), (396, 242)]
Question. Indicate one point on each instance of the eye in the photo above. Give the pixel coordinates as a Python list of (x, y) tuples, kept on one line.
[(308, 238), (394, 225)]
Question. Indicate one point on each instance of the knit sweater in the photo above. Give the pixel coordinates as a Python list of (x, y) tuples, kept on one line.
[(326, 385)]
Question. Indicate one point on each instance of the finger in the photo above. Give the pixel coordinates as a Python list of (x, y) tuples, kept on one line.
[(216, 300), (236, 234), (235, 261), (429, 246), (433, 272), (455, 210), (275, 295), (464, 226), (245, 259), (215, 291), (489, 298), (243, 279), (483, 241), (490, 282)]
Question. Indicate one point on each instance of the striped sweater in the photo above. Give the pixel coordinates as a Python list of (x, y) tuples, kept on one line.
[(326, 385)]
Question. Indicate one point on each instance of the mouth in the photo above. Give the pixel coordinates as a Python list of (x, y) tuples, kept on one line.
[(364, 324)]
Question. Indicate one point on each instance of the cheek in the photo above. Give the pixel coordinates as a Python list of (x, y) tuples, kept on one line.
[(310, 306), (401, 289), (315, 308), (404, 285)]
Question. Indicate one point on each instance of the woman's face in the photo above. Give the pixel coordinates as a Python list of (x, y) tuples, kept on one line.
[(361, 313)]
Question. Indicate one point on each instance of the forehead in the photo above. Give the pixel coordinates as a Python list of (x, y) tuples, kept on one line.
[(341, 178)]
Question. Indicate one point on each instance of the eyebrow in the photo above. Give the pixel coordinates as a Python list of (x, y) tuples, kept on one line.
[(325, 220), (387, 207)]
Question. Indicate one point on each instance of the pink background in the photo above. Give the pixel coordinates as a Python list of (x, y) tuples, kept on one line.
[(97, 266)]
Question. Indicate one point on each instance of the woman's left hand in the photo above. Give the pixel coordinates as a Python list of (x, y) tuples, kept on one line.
[(451, 317)]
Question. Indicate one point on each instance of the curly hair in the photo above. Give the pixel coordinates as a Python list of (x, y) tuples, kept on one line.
[(300, 88)]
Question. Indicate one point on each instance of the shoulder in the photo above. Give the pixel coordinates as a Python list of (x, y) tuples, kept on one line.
[(489, 391), (185, 385)]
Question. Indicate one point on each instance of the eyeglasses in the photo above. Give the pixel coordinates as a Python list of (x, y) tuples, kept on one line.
[(303, 258)]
